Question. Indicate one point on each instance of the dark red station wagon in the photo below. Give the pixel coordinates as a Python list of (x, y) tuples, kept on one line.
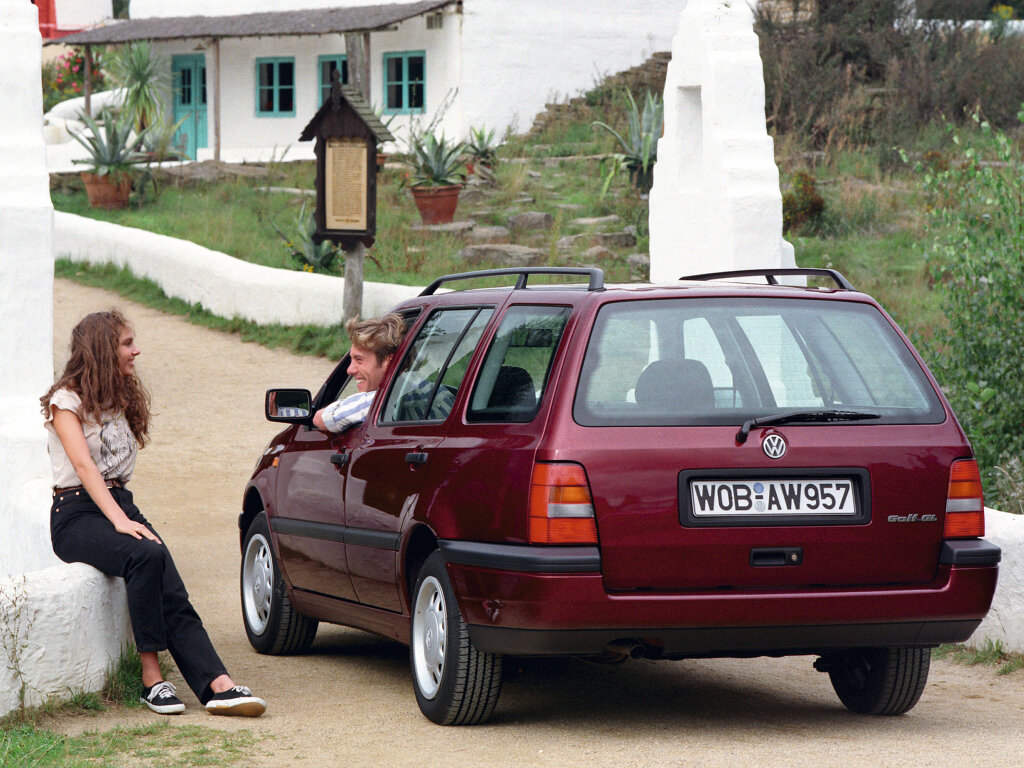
[(725, 466)]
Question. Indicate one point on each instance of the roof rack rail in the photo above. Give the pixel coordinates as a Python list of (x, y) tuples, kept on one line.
[(770, 274), (595, 275)]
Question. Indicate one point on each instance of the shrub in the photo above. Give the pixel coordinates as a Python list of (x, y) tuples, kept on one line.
[(802, 203), (977, 260), (850, 76), (64, 78)]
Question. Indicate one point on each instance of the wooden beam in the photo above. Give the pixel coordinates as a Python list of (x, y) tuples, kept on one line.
[(87, 85), (216, 98)]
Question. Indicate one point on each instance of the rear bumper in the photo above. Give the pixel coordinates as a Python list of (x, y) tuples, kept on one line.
[(524, 606)]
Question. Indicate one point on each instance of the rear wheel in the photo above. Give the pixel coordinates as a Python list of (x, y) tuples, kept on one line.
[(455, 683), (878, 681), (271, 623)]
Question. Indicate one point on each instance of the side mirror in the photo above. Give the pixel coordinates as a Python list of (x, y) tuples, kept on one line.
[(291, 406)]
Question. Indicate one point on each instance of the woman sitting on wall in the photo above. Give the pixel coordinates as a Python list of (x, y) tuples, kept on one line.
[(97, 415)]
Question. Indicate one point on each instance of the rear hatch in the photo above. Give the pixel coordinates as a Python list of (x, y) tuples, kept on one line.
[(846, 488)]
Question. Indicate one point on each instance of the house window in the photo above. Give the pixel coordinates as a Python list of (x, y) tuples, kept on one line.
[(326, 66), (275, 87), (405, 76)]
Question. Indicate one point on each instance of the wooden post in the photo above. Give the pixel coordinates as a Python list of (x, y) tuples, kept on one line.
[(87, 85), (357, 49), (352, 299), (216, 99)]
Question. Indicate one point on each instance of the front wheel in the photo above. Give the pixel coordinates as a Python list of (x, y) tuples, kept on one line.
[(271, 622), (878, 681), (455, 683)]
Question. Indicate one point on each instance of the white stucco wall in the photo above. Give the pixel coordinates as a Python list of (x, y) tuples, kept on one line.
[(224, 285), (1005, 620), (26, 296), (79, 14), (517, 57), (73, 622), (716, 203), (63, 624)]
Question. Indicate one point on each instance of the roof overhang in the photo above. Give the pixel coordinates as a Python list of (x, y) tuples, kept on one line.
[(318, 21)]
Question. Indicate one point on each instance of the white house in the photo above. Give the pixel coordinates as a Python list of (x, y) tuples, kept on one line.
[(249, 75)]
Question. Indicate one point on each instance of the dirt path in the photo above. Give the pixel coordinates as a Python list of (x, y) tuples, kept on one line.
[(350, 702)]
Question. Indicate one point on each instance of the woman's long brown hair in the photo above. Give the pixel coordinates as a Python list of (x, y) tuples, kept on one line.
[(92, 373)]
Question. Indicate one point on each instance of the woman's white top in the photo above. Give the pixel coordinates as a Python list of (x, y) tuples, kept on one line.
[(111, 443)]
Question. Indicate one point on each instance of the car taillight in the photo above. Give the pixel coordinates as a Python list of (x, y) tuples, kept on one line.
[(561, 508), (965, 503)]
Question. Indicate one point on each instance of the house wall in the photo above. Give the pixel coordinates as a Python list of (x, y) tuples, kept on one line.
[(246, 136), (516, 57), (505, 60), (79, 14)]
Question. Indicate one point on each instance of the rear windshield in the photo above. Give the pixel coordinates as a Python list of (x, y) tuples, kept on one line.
[(723, 361)]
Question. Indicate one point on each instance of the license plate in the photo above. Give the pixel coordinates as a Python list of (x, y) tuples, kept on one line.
[(789, 496)]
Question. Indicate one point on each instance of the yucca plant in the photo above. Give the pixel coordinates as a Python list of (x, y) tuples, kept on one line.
[(308, 254), (144, 77), (436, 161), (480, 146), (113, 151), (640, 152)]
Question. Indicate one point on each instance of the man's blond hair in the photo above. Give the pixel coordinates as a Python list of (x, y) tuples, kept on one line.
[(378, 335)]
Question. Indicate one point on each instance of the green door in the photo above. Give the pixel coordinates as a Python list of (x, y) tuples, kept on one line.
[(189, 72)]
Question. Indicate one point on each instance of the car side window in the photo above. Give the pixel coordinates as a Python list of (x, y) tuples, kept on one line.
[(428, 379), (514, 374)]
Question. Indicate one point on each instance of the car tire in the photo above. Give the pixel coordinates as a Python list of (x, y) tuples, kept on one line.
[(271, 622), (455, 683), (879, 681)]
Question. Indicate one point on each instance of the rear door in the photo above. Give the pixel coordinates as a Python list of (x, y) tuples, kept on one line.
[(682, 502)]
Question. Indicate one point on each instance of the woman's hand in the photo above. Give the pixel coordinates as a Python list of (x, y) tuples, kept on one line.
[(136, 530)]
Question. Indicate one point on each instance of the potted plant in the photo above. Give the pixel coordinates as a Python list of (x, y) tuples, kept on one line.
[(436, 179), (113, 155), (481, 149)]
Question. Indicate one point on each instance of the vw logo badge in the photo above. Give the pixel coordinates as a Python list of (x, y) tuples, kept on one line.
[(774, 446)]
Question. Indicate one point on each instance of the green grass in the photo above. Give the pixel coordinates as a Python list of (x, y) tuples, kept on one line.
[(990, 654), (28, 746)]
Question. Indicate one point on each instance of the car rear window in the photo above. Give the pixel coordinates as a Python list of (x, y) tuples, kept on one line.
[(723, 361)]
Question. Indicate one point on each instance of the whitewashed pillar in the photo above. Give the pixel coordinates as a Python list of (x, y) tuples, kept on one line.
[(716, 203), (26, 296)]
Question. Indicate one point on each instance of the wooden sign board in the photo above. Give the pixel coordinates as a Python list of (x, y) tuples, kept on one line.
[(347, 133), (345, 184)]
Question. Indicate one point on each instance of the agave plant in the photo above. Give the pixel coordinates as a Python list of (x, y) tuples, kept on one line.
[(480, 146), (640, 152), (436, 161), (113, 150), (310, 255)]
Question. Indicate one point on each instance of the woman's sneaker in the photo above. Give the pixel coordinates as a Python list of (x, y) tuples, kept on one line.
[(236, 701), (162, 698)]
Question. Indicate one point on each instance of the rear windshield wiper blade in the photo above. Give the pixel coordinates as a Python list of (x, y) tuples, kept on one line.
[(786, 418)]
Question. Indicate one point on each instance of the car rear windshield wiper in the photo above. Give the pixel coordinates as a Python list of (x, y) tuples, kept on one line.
[(786, 418)]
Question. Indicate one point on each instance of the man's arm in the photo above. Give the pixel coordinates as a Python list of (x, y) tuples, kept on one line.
[(341, 415)]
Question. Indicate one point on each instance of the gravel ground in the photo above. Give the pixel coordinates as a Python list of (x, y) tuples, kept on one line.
[(349, 702)]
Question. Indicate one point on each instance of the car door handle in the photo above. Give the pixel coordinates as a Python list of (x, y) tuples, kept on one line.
[(416, 458), (340, 459)]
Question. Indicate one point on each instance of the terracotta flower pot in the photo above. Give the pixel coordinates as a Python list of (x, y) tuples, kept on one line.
[(382, 158), (436, 204), (103, 192)]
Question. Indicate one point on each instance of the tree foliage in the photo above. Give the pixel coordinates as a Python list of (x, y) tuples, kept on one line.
[(977, 258)]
